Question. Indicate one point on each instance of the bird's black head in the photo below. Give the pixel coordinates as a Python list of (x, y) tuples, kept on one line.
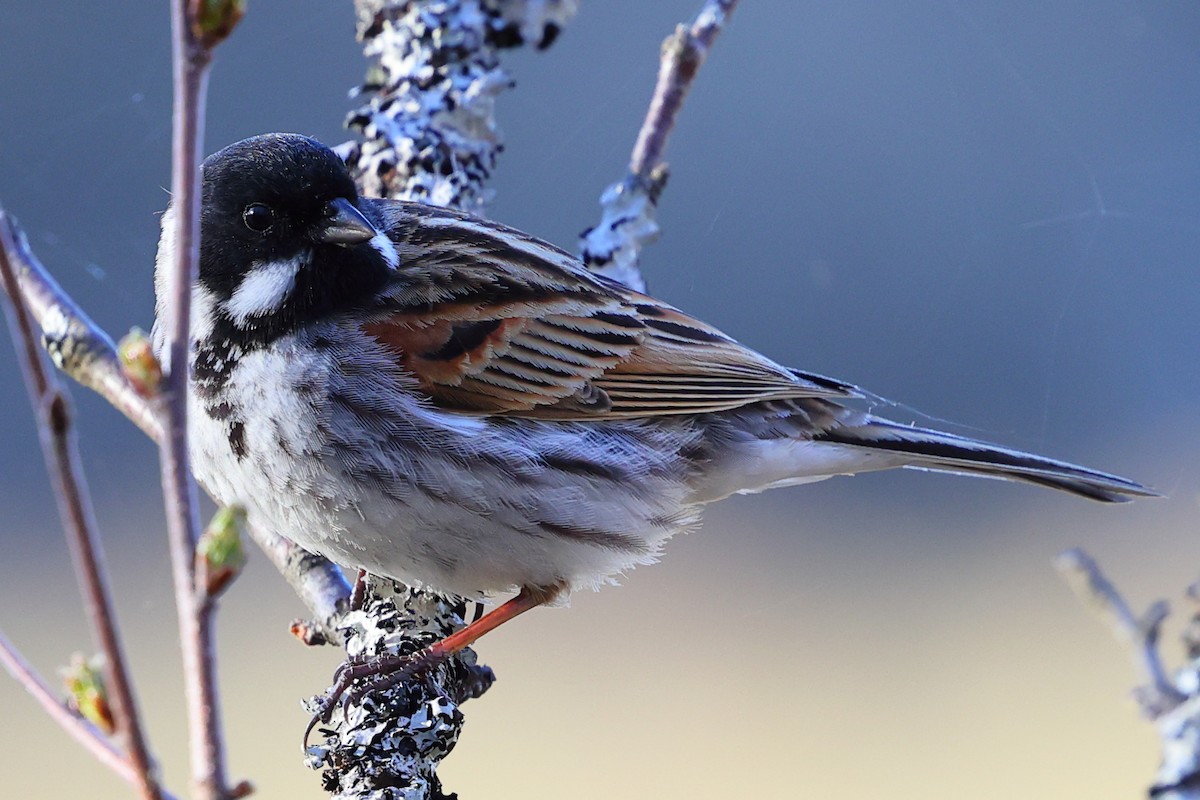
[(284, 236)]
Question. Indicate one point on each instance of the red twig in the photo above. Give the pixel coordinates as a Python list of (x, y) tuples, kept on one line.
[(87, 354), (60, 449), (80, 729), (613, 246), (682, 55), (191, 60), (76, 344)]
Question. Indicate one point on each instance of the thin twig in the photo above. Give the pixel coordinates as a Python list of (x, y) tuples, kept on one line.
[(191, 60), (80, 729), (75, 343), (683, 53), (612, 247), (1083, 575), (317, 580), (87, 355), (60, 448)]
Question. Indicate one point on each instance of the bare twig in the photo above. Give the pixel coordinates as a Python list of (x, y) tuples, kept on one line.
[(60, 449), (1172, 704), (1083, 575), (87, 355), (80, 729), (193, 36), (317, 580), (627, 221), (75, 343), (683, 53)]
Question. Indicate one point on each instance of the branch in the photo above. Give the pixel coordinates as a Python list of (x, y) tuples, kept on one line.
[(1140, 634), (60, 449), (398, 736), (627, 222), (1173, 705), (430, 136), (75, 343), (81, 730), (429, 128), (197, 27), (88, 356)]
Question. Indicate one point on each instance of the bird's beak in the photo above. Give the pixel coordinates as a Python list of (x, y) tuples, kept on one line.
[(344, 224)]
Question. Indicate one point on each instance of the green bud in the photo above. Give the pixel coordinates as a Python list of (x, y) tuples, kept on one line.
[(214, 20), (219, 553), (86, 692), (139, 363)]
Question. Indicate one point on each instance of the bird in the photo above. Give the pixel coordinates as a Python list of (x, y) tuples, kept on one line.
[(440, 399)]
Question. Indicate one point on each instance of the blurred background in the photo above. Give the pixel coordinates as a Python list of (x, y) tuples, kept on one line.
[(984, 210)]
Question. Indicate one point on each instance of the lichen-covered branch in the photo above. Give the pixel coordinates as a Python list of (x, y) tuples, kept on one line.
[(427, 124), (627, 223), (396, 737), (1172, 703), (428, 134)]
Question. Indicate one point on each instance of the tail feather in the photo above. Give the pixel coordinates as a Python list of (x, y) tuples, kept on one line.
[(945, 452)]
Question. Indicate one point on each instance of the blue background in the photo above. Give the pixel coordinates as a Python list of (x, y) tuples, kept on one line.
[(987, 211)]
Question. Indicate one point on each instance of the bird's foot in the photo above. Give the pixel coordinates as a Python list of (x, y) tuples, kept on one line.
[(371, 674)]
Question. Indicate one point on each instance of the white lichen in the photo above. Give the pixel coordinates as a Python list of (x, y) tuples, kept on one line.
[(428, 124), (627, 224)]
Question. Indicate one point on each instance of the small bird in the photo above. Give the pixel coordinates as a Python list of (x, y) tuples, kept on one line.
[(446, 401)]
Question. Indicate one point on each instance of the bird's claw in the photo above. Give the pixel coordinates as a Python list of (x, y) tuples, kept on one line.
[(384, 673)]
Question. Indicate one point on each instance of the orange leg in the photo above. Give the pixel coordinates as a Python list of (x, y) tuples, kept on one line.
[(359, 594), (388, 670)]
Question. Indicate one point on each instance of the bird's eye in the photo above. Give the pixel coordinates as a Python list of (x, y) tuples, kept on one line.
[(258, 217)]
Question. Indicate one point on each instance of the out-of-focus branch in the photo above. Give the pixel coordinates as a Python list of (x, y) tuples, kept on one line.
[(60, 449), (75, 343), (627, 222), (87, 355), (197, 27), (1171, 703), (1139, 633), (81, 730)]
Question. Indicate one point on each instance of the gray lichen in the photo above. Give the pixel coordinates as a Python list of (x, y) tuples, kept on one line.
[(627, 224), (387, 744), (427, 133), (428, 125)]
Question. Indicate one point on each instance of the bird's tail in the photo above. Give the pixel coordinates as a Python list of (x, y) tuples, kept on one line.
[(921, 448)]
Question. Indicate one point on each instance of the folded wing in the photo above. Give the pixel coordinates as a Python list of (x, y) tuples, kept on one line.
[(492, 321)]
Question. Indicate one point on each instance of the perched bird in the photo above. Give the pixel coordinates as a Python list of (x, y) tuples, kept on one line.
[(446, 401)]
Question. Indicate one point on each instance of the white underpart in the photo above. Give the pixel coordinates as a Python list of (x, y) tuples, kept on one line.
[(384, 246), (264, 288), (355, 493), (754, 466)]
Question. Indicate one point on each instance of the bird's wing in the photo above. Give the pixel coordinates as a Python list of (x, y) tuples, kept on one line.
[(492, 321)]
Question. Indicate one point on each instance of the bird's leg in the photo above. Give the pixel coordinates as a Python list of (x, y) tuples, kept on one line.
[(358, 596), (388, 670)]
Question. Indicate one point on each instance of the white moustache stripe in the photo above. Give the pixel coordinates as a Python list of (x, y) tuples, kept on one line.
[(384, 246), (264, 288)]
